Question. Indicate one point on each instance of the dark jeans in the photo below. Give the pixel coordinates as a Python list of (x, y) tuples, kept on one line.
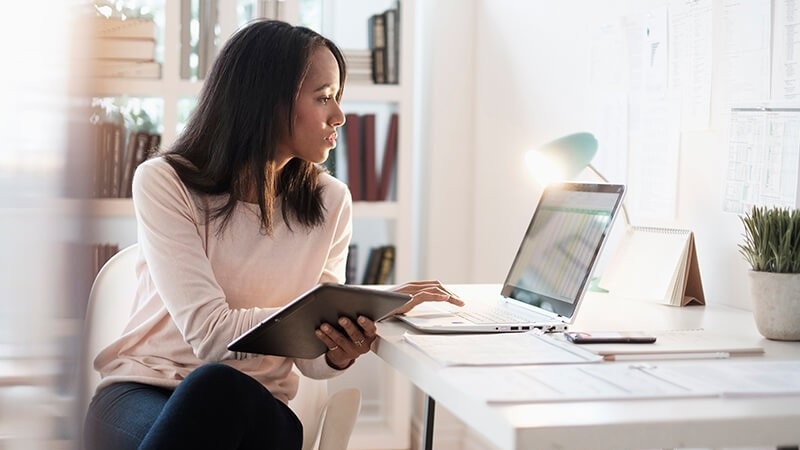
[(215, 407)]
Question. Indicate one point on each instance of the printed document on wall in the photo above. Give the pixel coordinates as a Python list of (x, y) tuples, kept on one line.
[(609, 79), (763, 159), (747, 39), (690, 26), (785, 54)]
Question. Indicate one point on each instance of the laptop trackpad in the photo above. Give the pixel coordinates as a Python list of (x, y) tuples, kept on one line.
[(434, 314), (433, 309)]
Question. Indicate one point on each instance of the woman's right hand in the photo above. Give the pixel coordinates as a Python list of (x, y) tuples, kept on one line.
[(425, 291)]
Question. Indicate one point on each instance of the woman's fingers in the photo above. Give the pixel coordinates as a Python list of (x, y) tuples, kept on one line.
[(344, 347), (356, 336), (426, 291), (328, 341)]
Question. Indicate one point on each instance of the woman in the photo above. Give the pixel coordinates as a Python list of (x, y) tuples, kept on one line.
[(234, 221)]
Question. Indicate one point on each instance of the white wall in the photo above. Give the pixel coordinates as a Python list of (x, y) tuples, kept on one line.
[(530, 63), (445, 77)]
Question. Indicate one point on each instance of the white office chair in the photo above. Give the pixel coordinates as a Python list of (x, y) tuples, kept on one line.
[(327, 420)]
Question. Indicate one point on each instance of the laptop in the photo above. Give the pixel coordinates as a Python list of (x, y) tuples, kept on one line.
[(551, 270)]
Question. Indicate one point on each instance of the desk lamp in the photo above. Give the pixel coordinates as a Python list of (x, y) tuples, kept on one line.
[(564, 158)]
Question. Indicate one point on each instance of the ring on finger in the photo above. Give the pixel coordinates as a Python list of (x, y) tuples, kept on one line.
[(334, 348), (359, 342)]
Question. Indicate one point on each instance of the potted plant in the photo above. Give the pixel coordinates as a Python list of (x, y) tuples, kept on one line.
[(772, 248)]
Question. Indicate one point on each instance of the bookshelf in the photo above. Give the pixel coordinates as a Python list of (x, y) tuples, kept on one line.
[(386, 402)]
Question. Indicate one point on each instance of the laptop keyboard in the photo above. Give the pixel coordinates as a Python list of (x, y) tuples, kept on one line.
[(491, 315)]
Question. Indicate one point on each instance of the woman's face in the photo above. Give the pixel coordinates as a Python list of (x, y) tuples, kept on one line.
[(317, 114)]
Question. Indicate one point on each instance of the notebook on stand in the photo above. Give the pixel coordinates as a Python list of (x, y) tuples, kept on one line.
[(550, 273)]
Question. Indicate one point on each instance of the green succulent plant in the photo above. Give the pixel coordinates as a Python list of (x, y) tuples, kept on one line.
[(772, 239)]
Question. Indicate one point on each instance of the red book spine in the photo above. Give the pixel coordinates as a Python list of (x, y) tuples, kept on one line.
[(389, 159), (352, 130), (370, 178)]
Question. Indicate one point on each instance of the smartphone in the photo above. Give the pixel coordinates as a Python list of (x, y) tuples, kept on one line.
[(608, 337)]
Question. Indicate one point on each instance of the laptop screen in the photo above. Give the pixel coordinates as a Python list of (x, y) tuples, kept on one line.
[(554, 263)]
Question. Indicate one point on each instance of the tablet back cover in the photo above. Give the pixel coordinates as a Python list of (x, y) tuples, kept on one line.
[(290, 330)]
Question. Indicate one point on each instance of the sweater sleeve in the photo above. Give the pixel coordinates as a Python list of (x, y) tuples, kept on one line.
[(334, 271), (335, 265), (170, 240)]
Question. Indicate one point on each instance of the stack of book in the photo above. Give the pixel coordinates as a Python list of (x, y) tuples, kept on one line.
[(370, 172), (379, 268), (117, 158), (124, 48), (383, 37), (359, 66), (380, 265)]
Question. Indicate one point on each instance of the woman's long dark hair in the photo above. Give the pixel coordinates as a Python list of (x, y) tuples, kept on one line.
[(246, 105)]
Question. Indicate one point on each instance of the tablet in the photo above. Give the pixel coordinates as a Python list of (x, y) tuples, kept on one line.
[(290, 330)]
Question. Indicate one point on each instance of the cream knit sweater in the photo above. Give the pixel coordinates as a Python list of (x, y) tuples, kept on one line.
[(198, 290)]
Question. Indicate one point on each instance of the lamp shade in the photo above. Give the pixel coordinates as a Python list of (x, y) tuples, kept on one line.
[(572, 153)]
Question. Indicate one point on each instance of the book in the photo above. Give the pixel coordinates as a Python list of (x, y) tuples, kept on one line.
[(389, 159), (351, 265), (655, 264), (391, 40), (128, 165), (386, 265), (373, 266), (98, 177), (114, 27), (114, 163), (370, 187), (138, 152), (153, 146), (98, 146), (376, 31), (352, 130), (108, 151), (128, 49), (378, 65)]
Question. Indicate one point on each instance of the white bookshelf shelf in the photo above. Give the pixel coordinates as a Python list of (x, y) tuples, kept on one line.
[(375, 210), (365, 92), (96, 207)]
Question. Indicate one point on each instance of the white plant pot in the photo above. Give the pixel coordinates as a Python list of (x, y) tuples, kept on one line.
[(776, 304)]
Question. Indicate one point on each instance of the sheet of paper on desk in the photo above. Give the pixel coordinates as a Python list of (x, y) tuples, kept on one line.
[(736, 379), (530, 384), (499, 349)]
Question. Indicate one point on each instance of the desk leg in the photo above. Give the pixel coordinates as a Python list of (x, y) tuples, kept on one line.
[(427, 432)]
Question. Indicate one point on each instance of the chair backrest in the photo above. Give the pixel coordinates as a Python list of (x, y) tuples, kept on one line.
[(110, 305), (327, 420)]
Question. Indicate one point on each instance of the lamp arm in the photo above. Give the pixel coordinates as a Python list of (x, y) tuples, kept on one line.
[(605, 180)]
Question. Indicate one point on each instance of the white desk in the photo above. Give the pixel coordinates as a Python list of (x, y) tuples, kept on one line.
[(673, 423)]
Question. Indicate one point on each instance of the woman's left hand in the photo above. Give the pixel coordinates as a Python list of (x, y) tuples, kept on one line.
[(344, 348)]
